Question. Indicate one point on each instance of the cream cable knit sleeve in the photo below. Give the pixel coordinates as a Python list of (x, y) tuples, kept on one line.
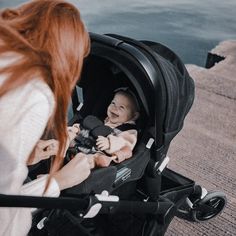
[(24, 113)]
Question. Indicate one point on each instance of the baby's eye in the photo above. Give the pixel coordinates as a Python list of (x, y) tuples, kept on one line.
[(122, 107), (112, 103)]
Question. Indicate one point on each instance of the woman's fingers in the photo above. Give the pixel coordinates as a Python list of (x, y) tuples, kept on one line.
[(45, 143), (44, 149)]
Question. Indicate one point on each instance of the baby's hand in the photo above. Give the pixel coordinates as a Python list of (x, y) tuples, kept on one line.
[(76, 127), (73, 131), (102, 143)]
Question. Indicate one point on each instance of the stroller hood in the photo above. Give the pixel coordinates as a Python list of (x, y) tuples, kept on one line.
[(158, 77)]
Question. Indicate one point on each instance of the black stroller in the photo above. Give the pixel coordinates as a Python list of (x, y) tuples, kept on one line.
[(142, 195)]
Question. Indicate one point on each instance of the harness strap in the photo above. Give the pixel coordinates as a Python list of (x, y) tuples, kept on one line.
[(127, 126)]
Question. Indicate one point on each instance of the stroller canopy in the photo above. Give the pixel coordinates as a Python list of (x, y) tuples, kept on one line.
[(155, 73)]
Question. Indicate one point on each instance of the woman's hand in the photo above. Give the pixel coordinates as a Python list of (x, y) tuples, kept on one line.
[(44, 149), (102, 143), (74, 172)]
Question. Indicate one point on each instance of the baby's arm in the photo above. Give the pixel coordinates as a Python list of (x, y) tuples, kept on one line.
[(102, 160), (121, 155), (124, 139), (120, 147)]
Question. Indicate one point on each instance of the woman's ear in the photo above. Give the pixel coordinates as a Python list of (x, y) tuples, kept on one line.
[(136, 115)]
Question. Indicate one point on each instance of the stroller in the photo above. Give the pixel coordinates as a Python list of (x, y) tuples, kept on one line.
[(142, 195)]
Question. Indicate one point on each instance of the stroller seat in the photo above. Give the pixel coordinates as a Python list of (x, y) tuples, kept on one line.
[(98, 91), (111, 177)]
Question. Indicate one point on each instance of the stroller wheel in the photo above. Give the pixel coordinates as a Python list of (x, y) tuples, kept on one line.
[(208, 207)]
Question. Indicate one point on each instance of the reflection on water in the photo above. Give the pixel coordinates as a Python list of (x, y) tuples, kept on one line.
[(189, 27)]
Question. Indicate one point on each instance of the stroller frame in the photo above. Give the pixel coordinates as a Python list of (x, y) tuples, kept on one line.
[(160, 193)]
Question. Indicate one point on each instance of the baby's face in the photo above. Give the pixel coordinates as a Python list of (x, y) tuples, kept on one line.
[(120, 109)]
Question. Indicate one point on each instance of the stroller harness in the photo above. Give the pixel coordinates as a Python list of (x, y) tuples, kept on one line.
[(92, 127)]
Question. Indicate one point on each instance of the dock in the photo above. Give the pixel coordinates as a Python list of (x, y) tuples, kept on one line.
[(205, 150)]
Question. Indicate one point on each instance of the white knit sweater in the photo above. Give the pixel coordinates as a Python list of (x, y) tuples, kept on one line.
[(24, 113)]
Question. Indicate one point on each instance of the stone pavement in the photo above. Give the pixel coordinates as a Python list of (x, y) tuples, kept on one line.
[(205, 150)]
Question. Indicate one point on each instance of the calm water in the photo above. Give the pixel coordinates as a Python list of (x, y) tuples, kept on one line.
[(190, 27)]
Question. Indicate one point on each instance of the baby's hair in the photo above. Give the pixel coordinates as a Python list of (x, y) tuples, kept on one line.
[(130, 95)]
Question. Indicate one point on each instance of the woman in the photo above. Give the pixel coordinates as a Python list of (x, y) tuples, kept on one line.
[(42, 47)]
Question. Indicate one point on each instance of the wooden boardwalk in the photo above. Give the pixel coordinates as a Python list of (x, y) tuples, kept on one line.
[(205, 150)]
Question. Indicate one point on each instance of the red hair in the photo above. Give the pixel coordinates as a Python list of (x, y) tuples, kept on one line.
[(52, 39)]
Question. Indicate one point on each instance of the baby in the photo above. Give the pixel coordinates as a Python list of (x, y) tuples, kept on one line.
[(118, 145)]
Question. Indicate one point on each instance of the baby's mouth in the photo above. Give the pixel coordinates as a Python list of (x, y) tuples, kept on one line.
[(114, 115)]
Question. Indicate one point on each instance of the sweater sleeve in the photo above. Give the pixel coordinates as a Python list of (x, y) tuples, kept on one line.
[(36, 187), (29, 108), (24, 115), (124, 139)]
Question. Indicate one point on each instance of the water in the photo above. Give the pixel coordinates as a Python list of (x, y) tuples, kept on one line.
[(190, 27)]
